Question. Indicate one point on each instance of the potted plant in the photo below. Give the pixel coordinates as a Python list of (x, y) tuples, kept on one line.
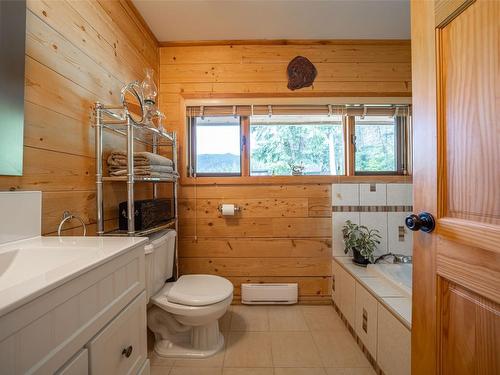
[(362, 241)]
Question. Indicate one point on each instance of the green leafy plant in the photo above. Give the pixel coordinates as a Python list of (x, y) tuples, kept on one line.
[(360, 238)]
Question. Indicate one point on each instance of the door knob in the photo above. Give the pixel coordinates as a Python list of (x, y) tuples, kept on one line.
[(423, 221)]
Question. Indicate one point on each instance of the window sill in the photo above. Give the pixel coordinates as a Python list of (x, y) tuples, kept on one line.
[(292, 180)]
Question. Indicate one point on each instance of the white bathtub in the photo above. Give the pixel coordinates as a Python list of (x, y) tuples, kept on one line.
[(398, 274)]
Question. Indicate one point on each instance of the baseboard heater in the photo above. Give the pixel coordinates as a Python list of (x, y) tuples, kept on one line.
[(269, 294)]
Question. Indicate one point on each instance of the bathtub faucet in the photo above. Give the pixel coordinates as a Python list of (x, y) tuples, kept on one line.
[(400, 258), (396, 258)]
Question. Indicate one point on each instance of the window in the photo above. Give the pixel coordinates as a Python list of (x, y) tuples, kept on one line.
[(295, 140), (378, 144), (305, 145), (217, 146)]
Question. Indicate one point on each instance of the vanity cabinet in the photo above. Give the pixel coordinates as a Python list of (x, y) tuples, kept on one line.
[(83, 325), (366, 310), (120, 348), (78, 365)]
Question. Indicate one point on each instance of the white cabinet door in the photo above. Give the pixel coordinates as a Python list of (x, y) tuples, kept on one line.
[(347, 295), (366, 319), (121, 348), (78, 365), (146, 368), (336, 269), (393, 344)]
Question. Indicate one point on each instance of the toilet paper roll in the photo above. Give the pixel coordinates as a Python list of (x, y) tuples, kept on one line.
[(228, 210)]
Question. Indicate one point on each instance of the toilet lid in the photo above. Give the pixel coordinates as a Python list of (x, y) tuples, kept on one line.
[(200, 290)]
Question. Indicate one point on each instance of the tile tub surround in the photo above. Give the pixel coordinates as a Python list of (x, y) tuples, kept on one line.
[(392, 297), (378, 315), (379, 206), (277, 340)]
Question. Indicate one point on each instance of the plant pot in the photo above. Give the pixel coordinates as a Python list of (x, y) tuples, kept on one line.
[(359, 259)]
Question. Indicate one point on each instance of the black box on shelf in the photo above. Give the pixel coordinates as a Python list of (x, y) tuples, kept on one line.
[(148, 213)]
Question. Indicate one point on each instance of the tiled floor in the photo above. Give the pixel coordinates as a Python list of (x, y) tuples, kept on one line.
[(277, 340)]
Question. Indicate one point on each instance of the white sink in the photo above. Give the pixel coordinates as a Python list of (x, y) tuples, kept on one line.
[(29, 268), (19, 265)]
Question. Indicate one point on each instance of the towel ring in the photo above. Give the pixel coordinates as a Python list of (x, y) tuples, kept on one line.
[(69, 216)]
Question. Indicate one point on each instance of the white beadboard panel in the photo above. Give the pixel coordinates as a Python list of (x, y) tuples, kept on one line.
[(372, 198), (20, 215), (399, 194), (376, 220), (338, 221), (394, 221), (345, 194)]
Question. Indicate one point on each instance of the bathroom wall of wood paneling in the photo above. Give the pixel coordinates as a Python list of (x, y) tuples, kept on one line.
[(77, 52), (284, 231)]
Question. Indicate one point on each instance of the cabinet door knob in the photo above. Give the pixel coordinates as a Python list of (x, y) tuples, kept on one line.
[(127, 352), (423, 221)]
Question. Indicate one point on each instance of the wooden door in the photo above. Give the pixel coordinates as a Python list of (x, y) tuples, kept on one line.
[(456, 105)]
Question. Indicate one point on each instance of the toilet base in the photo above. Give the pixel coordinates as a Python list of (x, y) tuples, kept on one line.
[(183, 347)]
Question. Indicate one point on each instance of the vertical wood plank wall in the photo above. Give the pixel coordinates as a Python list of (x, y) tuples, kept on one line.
[(77, 52), (284, 231)]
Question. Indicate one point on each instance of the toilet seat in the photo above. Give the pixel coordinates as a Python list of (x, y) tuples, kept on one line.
[(194, 290), (199, 290)]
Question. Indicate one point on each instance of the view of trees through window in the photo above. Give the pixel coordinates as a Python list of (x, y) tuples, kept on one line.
[(375, 144), (309, 145)]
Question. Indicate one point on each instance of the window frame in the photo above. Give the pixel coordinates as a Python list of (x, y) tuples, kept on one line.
[(192, 158), (403, 156), (400, 152)]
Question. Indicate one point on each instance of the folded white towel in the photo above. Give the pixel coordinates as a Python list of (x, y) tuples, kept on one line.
[(119, 158), (142, 169)]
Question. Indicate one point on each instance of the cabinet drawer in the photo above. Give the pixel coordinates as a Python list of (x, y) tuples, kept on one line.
[(366, 319), (78, 365), (120, 348)]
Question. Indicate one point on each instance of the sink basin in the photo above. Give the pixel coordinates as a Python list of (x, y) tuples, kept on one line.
[(29, 268), (19, 265)]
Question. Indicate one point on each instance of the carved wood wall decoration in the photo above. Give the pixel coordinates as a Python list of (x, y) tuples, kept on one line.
[(301, 73)]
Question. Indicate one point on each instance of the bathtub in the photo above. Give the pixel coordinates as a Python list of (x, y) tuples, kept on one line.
[(398, 274)]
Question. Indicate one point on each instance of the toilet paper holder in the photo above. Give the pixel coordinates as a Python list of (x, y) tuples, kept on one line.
[(236, 208)]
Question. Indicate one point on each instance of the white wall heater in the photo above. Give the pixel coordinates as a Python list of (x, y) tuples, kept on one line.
[(268, 294)]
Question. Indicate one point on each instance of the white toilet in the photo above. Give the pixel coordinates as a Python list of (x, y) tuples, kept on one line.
[(184, 314)]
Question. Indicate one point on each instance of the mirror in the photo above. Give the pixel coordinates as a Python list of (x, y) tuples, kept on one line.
[(12, 44), (132, 99)]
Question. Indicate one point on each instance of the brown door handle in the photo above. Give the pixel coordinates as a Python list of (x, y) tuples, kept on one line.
[(127, 352)]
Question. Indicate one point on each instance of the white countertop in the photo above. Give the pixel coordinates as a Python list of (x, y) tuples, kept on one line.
[(391, 295), (32, 267)]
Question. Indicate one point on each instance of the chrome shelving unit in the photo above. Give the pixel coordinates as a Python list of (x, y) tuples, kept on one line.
[(118, 120)]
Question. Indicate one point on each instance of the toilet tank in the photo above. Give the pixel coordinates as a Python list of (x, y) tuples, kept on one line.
[(159, 252)]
